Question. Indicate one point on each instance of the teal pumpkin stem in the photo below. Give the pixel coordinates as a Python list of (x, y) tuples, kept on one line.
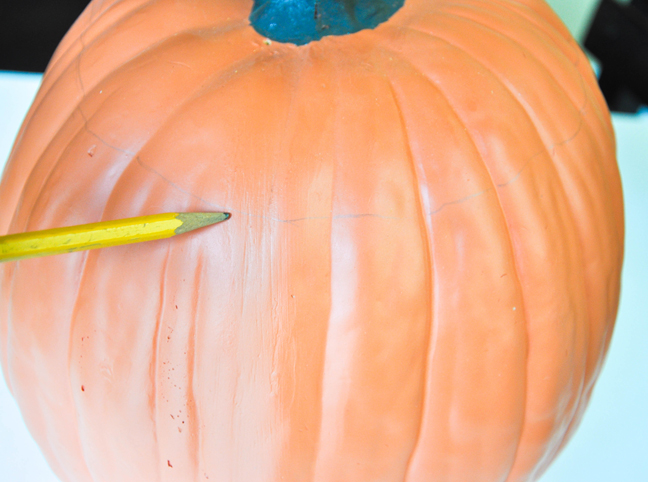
[(303, 21)]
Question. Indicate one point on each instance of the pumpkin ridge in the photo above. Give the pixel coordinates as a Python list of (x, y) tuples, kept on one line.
[(591, 102), (548, 149), (46, 178), (512, 91), (530, 54), (582, 398), (80, 40), (197, 441), (155, 354), (28, 178), (437, 209), (219, 78), (105, 31), (193, 418), (581, 111), (515, 262), (318, 450), (548, 455), (572, 419), (5, 321), (597, 103), (75, 64), (33, 111), (587, 100), (296, 373), (536, 21), (430, 275), (84, 127), (116, 69), (513, 251), (405, 58), (68, 41), (544, 18), (57, 163), (591, 129), (86, 122), (81, 449), (100, 9), (335, 411), (227, 27)]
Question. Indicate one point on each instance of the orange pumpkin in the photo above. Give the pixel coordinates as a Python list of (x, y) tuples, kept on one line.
[(419, 280)]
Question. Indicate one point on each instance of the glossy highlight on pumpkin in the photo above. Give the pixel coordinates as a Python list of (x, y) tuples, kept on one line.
[(419, 280)]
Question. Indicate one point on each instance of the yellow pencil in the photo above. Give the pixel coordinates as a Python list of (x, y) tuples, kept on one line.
[(102, 235)]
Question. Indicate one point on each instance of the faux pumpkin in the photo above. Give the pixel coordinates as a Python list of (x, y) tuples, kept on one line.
[(419, 279)]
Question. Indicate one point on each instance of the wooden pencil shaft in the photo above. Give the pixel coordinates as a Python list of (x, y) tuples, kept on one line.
[(102, 235)]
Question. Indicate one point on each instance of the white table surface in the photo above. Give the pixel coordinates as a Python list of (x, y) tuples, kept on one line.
[(611, 444)]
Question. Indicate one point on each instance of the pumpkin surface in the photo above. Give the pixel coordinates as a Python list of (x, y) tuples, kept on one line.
[(418, 282)]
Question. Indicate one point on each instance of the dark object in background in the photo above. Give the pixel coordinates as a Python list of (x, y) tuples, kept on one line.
[(30, 30), (618, 38)]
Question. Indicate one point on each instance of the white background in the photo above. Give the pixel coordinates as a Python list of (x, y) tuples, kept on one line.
[(611, 444)]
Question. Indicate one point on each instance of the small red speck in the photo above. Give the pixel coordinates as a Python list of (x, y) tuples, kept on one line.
[(82, 388), (169, 463), (176, 307)]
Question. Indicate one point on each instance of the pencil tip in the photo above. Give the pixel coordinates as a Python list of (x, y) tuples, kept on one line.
[(191, 221)]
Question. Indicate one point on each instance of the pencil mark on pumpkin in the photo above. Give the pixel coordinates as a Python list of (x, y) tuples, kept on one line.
[(79, 107), (548, 149), (246, 213), (459, 201), (177, 62)]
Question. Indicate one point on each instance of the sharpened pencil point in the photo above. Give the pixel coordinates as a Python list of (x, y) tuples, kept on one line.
[(191, 221)]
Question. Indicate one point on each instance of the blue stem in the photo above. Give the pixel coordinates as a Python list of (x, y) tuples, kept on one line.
[(302, 21)]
